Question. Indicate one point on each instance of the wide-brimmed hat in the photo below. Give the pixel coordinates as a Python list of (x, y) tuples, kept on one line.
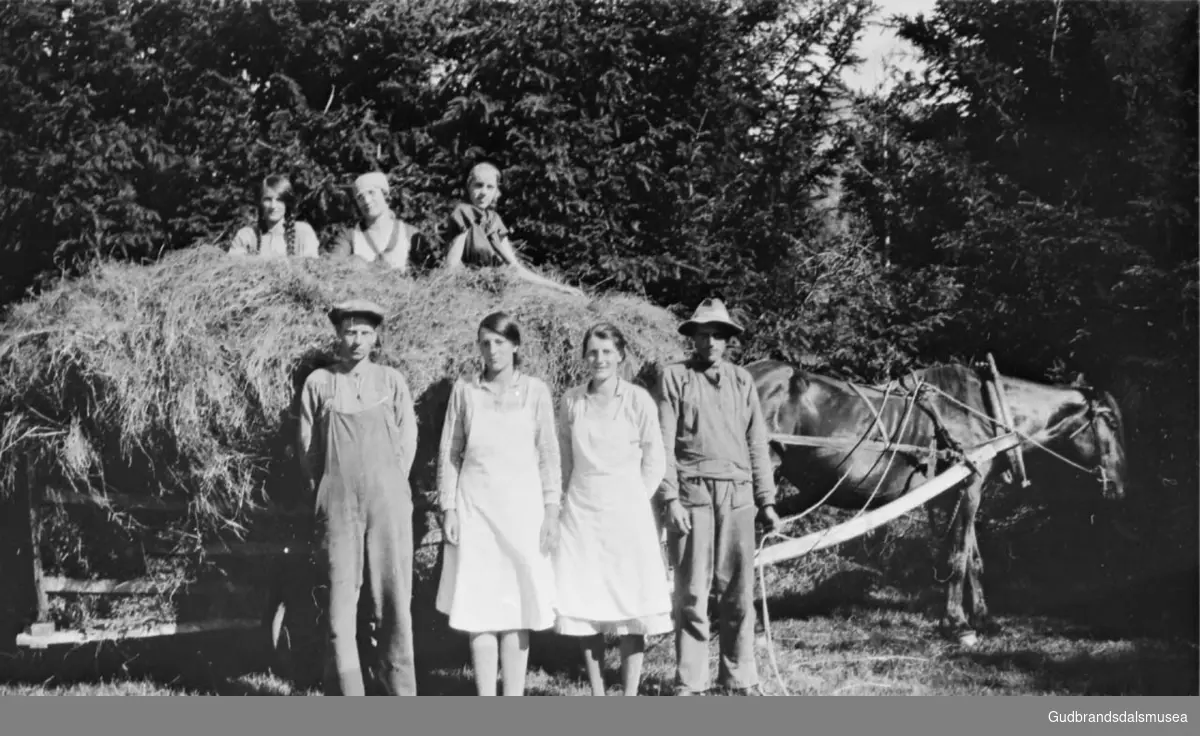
[(356, 308), (710, 311)]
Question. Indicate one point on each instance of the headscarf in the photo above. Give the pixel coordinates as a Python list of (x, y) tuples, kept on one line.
[(373, 180)]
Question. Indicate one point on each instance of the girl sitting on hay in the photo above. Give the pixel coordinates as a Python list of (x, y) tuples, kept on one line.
[(478, 235), (277, 232), (381, 238)]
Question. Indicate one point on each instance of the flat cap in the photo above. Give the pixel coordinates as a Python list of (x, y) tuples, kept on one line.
[(356, 308)]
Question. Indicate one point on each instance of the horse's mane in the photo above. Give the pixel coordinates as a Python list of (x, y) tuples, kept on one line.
[(953, 378)]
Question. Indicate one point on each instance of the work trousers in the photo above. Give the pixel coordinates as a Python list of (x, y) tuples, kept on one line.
[(717, 556), (364, 524)]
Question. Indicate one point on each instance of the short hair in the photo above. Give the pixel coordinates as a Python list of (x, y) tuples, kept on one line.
[(484, 166), (604, 331), (504, 325)]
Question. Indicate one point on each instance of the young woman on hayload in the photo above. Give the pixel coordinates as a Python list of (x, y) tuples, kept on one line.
[(479, 237), (276, 232), (609, 567), (380, 238), (499, 487)]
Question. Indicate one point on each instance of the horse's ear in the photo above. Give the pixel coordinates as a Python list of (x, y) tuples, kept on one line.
[(1079, 381)]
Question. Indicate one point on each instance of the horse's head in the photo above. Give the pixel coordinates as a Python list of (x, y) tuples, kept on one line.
[(1095, 434)]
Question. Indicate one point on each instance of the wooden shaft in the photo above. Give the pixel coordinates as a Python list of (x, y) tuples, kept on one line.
[(847, 443), (846, 531), (1017, 458), (40, 602), (64, 585)]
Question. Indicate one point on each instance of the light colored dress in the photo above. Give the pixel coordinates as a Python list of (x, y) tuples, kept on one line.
[(609, 564), (392, 254), (273, 243), (498, 466)]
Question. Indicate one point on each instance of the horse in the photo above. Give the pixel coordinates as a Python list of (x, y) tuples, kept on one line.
[(929, 418)]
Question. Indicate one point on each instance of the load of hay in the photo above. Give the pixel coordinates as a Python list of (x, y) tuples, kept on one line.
[(177, 380)]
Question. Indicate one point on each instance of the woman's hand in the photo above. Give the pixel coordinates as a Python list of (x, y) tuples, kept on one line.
[(549, 534), (450, 527)]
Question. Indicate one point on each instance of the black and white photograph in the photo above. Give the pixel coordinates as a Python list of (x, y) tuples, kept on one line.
[(660, 348)]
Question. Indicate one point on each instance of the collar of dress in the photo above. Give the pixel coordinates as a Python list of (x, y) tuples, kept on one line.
[(518, 381)]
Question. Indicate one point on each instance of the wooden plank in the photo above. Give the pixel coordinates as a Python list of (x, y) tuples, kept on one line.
[(254, 549), (124, 501), (1018, 459), (257, 549), (68, 586), (846, 531), (847, 443), (33, 502), (41, 641), (150, 503)]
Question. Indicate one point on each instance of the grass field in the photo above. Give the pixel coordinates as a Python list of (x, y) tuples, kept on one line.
[(853, 650), (841, 624)]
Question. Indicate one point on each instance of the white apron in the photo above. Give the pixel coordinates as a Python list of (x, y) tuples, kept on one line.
[(496, 578), (609, 566)]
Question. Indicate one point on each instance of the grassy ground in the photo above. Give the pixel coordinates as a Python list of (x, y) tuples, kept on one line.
[(853, 651), (853, 634), (1079, 613)]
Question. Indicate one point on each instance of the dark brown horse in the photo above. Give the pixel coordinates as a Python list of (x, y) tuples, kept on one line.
[(1082, 426)]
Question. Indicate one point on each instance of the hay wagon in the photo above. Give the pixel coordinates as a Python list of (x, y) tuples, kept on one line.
[(268, 600), (219, 601)]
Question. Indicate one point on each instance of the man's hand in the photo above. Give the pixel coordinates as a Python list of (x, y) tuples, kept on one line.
[(770, 519), (678, 516)]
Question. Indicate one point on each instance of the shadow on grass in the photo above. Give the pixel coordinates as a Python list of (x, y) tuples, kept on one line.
[(1146, 670), (1049, 563), (203, 664), (842, 590)]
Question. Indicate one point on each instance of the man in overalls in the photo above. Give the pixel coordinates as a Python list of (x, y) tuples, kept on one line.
[(358, 438), (718, 471)]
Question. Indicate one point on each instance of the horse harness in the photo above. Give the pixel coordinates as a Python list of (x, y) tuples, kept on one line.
[(943, 446)]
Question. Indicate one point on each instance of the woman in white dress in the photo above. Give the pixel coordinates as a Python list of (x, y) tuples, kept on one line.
[(500, 488), (380, 238), (608, 565)]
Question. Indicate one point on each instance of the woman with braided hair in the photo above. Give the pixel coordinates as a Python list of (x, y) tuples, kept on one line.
[(276, 232)]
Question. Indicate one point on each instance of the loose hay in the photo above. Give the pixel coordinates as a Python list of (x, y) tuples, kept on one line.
[(177, 380)]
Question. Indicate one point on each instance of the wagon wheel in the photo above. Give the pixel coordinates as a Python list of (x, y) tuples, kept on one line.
[(292, 621)]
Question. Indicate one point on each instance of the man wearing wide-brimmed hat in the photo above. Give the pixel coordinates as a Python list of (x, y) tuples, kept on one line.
[(357, 442), (718, 472)]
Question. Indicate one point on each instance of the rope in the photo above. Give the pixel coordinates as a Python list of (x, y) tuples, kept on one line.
[(915, 393), (762, 577), (877, 411), (891, 459), (1014, 430)]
